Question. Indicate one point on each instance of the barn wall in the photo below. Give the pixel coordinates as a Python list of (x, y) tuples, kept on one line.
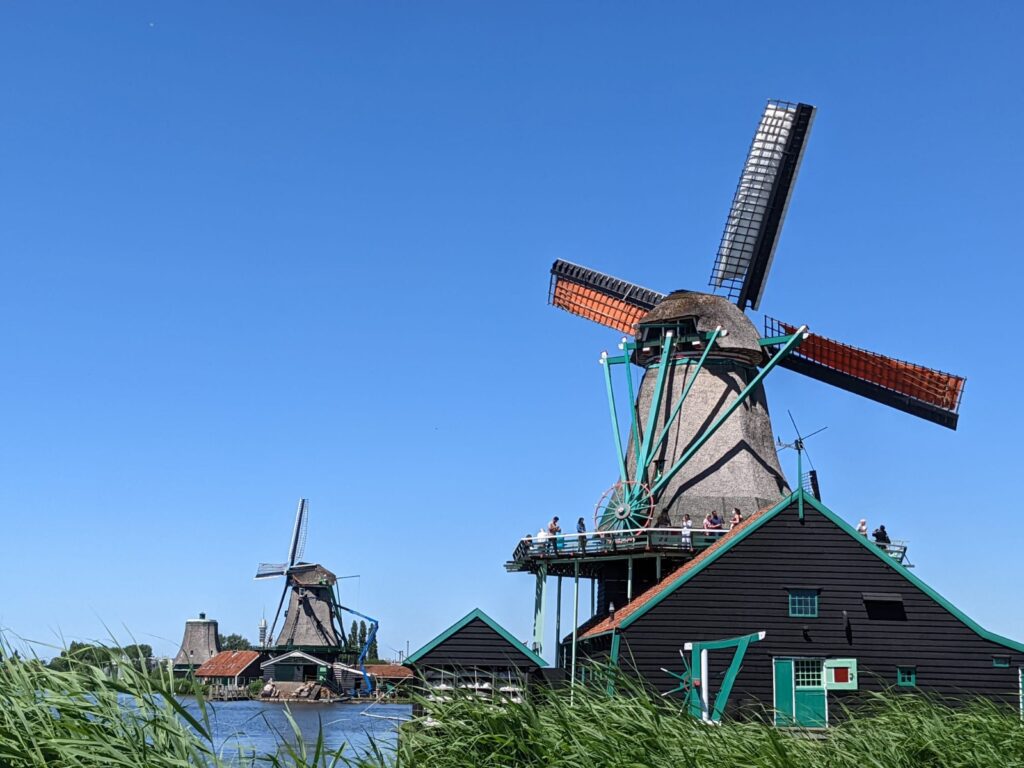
[(745, 591)]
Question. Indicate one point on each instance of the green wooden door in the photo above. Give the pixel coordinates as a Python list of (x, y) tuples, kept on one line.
[(800, 693), (809, 685), (785, 703)]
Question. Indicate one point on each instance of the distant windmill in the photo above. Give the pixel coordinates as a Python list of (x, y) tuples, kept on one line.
[(312, 609), (700, 349)]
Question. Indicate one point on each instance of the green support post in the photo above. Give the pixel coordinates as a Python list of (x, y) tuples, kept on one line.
[(606, 364), (539, 600), (558, 623), (793, 342), (626, 348), (613, 663), (575, 620)]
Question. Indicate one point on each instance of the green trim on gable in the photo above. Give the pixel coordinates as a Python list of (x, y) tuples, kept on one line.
[(476, 613), (909, 576), (748, 529), (725, 546)]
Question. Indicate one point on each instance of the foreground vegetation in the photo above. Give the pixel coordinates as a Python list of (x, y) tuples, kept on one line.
[(80, 717), (638, 730)]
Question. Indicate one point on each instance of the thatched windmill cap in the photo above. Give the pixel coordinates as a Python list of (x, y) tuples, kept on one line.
[(709, 312)]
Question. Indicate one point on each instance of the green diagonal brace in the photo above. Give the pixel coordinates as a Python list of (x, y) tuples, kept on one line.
[(652, 415), (788, 347), (686, 390), (615, 417), (722, 697), (633, 413)]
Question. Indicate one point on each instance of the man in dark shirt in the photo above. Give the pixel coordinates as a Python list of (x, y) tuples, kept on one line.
[(881, 537)]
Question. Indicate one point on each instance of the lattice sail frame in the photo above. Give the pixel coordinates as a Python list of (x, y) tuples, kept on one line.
[(759, 206), (925, 392)]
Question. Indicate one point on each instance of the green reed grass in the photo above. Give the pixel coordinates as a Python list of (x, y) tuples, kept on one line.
[(84, 718), (80, 718), (594, 730)]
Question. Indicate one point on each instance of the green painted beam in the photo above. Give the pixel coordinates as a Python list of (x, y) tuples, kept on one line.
[(686, 390), (793, 342), (619, 455), (652, 415)]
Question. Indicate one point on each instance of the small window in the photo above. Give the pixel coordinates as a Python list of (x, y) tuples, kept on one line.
[(1003, 662), (906, 677), (807, 673), (803, 603)]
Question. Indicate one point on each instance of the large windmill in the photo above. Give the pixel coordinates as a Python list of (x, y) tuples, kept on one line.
[(312, 607), (314, 619), (700, 436)]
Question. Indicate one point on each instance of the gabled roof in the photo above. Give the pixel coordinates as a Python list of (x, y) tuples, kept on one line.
[(388, 671), (294, 657), (646, 601), (476, 613), (227, 664), (669, 583)]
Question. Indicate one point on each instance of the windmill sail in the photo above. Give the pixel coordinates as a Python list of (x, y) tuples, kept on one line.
[(759, 206), (595, 296), (298, 545), (924, 392)]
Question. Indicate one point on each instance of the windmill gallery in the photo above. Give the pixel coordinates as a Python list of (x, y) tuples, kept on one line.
[(790, 610)]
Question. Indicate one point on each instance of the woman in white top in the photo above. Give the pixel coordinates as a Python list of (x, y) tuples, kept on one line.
[(862, 527)]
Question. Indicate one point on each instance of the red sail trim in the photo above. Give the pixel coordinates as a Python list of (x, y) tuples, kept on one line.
[(925, 384), (597, 306)]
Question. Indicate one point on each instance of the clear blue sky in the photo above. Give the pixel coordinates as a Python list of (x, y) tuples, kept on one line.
[(257, 251)]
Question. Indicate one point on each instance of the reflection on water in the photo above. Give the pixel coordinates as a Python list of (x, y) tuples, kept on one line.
[(259, 727)]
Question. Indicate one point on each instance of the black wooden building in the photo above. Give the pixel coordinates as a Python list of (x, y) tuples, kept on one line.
[(816, 613), (476, 655)]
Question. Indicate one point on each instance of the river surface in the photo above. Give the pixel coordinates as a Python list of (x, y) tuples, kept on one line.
[(260, 727)]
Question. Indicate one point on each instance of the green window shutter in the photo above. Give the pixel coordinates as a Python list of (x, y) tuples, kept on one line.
[(841, 674), (906, 677), (803, 603)]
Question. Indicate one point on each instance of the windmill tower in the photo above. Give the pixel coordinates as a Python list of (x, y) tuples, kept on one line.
[(696, 434), (310, 620), (199, 644)]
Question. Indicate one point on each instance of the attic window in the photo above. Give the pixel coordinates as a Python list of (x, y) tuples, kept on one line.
[(884, 606), (1003, 662)]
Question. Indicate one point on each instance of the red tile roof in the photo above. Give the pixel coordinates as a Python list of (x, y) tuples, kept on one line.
[(389, 670), (227, 664), (613, 622)]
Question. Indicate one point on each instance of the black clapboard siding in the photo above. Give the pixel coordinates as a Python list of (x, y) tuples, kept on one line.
[(745, 591), (476, 645)]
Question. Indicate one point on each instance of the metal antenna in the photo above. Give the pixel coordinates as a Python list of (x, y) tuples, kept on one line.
[(799, 445)]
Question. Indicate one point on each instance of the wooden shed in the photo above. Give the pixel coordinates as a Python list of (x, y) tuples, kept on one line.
[(478, 655)]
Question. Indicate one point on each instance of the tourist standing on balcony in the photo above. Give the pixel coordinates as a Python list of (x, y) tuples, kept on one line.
[(881, 537), (862, 527), (553, 530), (581, 528), (685, 537), (737, 517)]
